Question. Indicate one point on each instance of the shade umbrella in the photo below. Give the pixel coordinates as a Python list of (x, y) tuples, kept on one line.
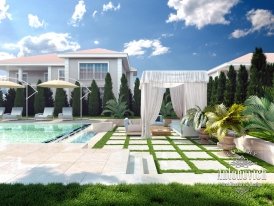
[(57, 84), (10, 84)]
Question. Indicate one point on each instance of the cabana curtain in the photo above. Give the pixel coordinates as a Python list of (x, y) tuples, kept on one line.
[(187, 89)]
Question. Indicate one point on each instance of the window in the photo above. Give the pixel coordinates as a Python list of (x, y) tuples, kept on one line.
[(61, 74), (45, 76), (90, 71), (24, 76)]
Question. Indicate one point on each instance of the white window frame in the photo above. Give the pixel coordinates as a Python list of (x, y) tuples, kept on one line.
[(61, 69), (46, 75), (24, 73), (91, 62)]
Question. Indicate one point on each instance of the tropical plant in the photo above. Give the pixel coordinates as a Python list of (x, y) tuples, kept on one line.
[(167, 108), (188, 119), (222, 120), (261, 111), (200, 118), (117, 109)]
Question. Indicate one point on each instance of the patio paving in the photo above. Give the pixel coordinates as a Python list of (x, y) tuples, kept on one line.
[(155, 141), (188, 147), (118, 137), (113, 146), (182, 141), (208, 165), (115, 141), (137, 141), (225, 155), (167, 155), (176, 137), (137, 147), (194, 155), (212, 147), (159, 137), (173, 165), (163, 147)]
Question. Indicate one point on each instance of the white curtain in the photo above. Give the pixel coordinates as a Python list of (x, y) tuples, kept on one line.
[(195, 94), (177, 99), (151, 101)]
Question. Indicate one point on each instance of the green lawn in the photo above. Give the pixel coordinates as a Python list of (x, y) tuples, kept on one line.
[(150, 194)]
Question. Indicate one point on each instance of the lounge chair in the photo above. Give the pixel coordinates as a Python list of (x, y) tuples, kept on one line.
[(16, 113), (46, 115), (66, 114), (2, 110)]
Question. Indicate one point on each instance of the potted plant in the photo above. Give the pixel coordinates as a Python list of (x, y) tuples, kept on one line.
[(167, 112), (187, 123), (225, 124)]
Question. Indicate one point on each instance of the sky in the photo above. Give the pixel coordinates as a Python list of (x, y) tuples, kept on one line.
[(156, 34)]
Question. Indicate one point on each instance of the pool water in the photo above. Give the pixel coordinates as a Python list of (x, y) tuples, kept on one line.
[(34, 132), (83, 138)]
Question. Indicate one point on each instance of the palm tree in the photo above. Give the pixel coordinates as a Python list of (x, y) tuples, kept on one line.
[(261, 111), (117, 109)]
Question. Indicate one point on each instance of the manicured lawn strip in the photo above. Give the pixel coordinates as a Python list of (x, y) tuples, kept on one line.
[(214, 156), (177, 171), (267, 166), (101, 143), (152, 152), (184, 157), (126, 142), (142, 194), (169, 159)]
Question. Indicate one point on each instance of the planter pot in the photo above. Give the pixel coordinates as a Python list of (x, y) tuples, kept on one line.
[(167, 122), (204, 137), (118, 122), (227, 143)]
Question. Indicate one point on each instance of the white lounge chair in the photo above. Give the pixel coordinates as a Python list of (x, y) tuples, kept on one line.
[(46, 115), (16, 113), (2, 110), (66, 114)]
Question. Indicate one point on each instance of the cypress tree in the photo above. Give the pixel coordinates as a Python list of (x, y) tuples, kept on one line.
[(108, 93), (9, 100), (124, 90), (241, 86), (230, 86), (130, 100), (94, 106), (85, 106), (60, 101), (221, 88), (1, 99), (39, 99), (76, 100), (20, 99), (137, 98), (48, 95), (30, 100), (209, 90), (214, 91)]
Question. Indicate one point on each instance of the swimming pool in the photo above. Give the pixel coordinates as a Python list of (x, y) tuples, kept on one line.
[(34, 132), (83, 138)]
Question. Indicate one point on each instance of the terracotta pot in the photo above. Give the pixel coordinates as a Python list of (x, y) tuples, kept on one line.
[(167, 122), (204, 136), (227, 143)]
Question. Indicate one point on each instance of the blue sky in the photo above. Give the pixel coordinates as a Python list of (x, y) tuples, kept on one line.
[(157, 34)]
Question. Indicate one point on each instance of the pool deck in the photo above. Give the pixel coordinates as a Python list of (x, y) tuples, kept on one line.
[(67, 163)]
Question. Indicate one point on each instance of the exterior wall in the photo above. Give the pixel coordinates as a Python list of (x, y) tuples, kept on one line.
[(33, 76), (225, 69), (54, 72)]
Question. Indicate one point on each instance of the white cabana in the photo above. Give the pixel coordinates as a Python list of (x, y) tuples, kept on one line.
[(187, 89)]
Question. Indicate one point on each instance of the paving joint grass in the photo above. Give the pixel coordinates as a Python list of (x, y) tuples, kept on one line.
[(102, 142)]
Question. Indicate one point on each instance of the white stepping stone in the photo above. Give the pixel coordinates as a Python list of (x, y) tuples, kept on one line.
[(197, 155), (188, 147), (163, 147), (137, 141), (173, 165), (212, 147), (225, 155), (138, 147), (208, 165), (241, 164), (183, 141), (167, 155), (119, 134), (113, 147), (159, 137), (115, 141), (176, 137), (198, 141), (118, 137), (155, 141)]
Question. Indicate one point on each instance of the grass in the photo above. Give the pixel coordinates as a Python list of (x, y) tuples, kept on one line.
[(104, 139), (148, 194)]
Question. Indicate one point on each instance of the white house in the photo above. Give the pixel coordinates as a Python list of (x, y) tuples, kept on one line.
[(82, 65), (243, 60)]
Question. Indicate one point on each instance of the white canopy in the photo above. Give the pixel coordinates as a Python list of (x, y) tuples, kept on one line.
[(187, 89)]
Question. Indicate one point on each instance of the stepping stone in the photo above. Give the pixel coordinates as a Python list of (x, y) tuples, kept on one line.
[(188, 147), (120, 129), (115, 141), (163, 147), (136, 138), (167, 155), (137, 141), (119, 134), (182, 141), (118, 137), (113, 147), (173, 165), (212, 147), (205, 143), (158, 138), (208, 165), (225, 155), (244, 164), (138, 147), (197, 155), (154, 141), (176, 137)]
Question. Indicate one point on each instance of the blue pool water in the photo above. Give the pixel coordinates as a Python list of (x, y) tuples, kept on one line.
[(83, 138)]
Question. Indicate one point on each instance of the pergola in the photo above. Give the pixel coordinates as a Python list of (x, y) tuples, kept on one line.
[(187, 89)]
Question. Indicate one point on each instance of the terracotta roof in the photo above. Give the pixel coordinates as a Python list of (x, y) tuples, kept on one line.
[(247, 58), (38, 59), (95, 51)]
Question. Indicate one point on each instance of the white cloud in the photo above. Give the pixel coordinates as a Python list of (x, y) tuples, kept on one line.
[(260, 19), (96, 42), (4, 14), (44, 43), (5, 55), (35, 22), (167, 35), (194, 53), (110, 7), (78, 14), (139, 47), (94, 13), (200, 13)]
